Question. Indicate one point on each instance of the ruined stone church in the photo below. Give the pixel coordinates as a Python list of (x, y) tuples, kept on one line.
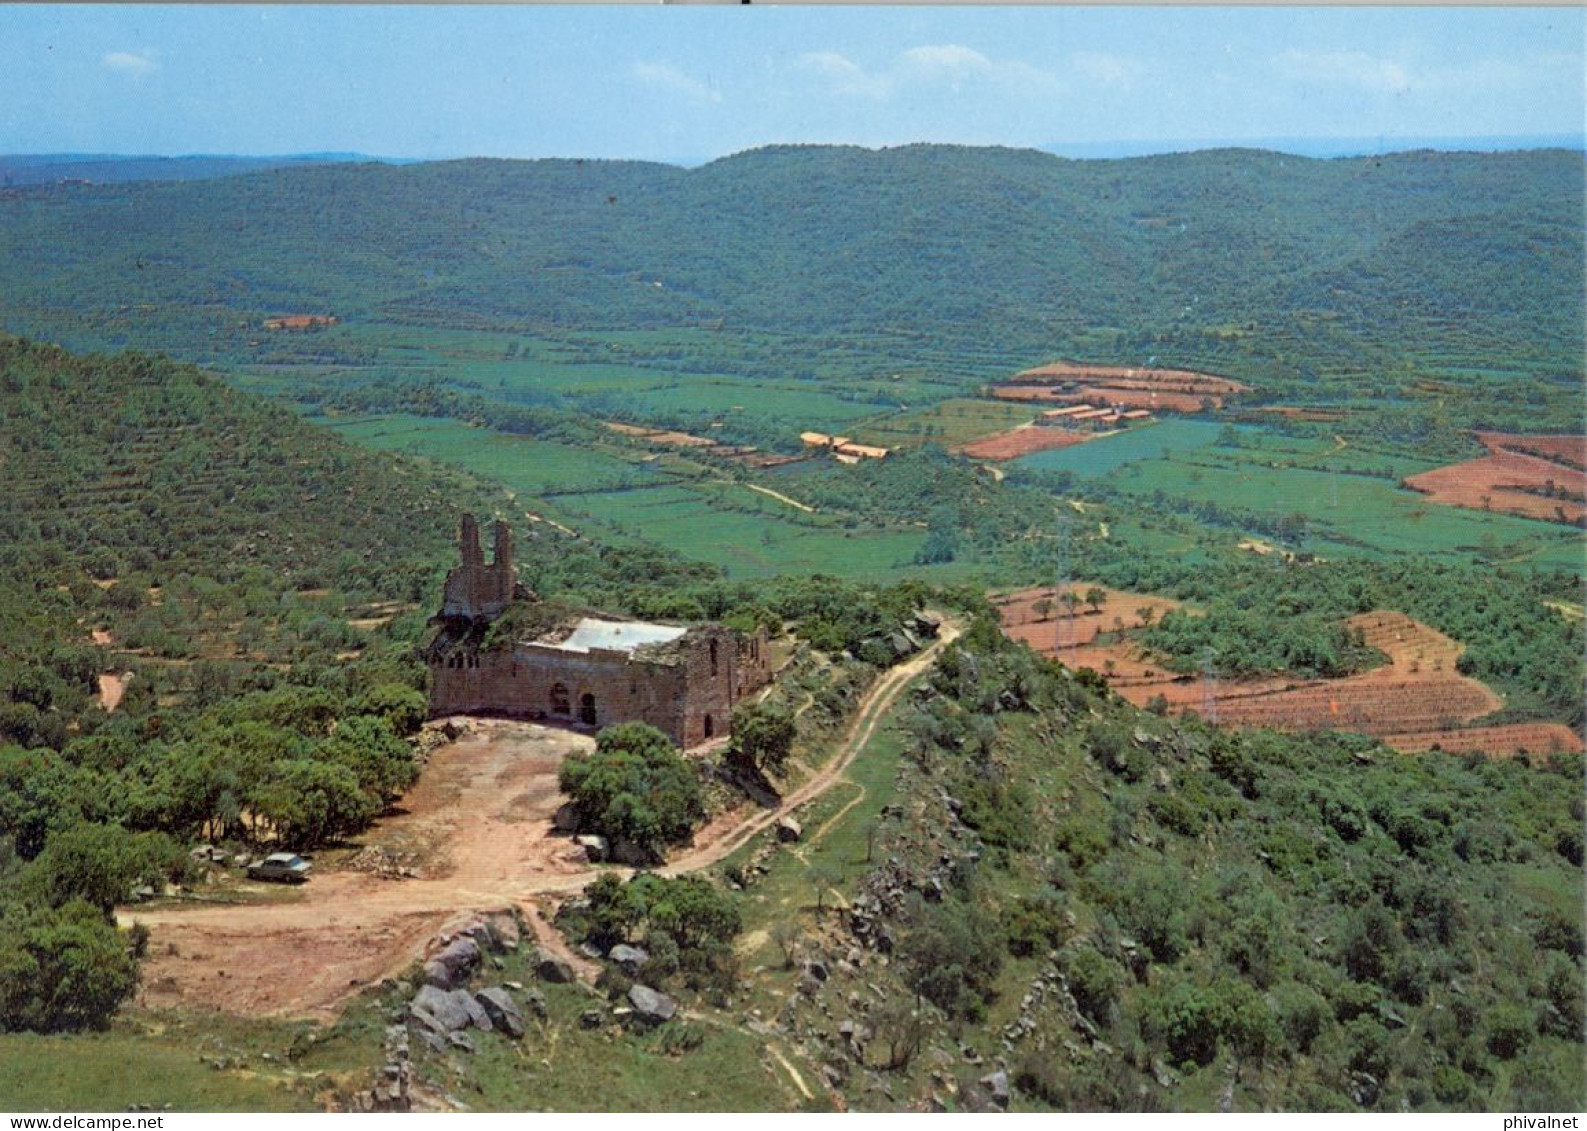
[(591, 671)]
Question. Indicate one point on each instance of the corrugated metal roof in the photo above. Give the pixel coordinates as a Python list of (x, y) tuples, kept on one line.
[(616, 636)]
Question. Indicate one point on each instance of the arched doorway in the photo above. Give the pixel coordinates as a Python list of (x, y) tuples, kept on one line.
[(561, 703), (710, 727), (587, 709)]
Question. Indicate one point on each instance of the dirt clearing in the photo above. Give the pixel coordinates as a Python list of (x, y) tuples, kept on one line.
[(473, 833)]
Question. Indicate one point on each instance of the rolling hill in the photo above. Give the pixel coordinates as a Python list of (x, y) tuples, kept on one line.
[(1417, 253)]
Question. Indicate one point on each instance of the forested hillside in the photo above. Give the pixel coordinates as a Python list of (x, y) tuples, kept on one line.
[(208, 619), (1254, 257)]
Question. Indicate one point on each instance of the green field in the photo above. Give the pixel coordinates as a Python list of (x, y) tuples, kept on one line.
[(530, 466), (759, 542), (949, 423), (1101, 457)]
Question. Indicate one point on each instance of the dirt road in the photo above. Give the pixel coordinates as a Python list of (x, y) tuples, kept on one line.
[(474, 834)]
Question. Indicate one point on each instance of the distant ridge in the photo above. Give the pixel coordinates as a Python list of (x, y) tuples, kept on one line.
[(1370, 146), (113, 168)]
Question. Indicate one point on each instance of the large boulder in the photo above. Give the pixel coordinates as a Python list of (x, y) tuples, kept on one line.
[(447, 1011), (651, 1006), (630, 853), (453, 964), (550, 968), (629, 959), (566, 819), (503, 926), (789, 830), (502, 1010), (996, 1085)]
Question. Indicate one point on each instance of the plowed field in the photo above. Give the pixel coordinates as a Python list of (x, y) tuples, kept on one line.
[(1415, 701), (1022, 442), (1040, 619), (1571, 449), (1498, 741), (1174, 380), (1513, 481)]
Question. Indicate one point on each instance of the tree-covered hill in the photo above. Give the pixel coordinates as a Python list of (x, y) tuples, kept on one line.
[(1427, 252)]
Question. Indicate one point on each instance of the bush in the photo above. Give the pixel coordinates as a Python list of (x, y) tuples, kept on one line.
[(946, 959), (1034, 924), (1303, 1014), (1187, 1019), (1095, 982), (61, 969), (634, 787), (763, 737), (1509, 1031)]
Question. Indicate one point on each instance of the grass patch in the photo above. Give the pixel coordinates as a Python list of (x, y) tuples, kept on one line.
[(185, 1062)]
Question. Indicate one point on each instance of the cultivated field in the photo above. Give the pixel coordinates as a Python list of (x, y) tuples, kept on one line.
[(1416, 701), (1165, 390), (951, 423), (1168, 380), (1514, 481), (1501, 741), (1022, 442)]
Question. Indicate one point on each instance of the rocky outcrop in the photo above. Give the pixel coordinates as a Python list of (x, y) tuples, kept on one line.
[(453, 964), (629, 959), (651, 1007), (447, 1011), (502, 1010)]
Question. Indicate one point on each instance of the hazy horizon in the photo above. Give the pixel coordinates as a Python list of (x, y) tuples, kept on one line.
[(687, 85)]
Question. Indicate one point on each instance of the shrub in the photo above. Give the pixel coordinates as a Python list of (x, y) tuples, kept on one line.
[(1033, 924), (635, 786), (61, 969), (1095, 982), (1303, 1014)]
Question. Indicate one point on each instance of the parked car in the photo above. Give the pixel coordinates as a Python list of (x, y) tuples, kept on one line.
[(281, 866)]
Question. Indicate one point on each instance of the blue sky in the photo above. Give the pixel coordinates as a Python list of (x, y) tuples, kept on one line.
[(682, 83)]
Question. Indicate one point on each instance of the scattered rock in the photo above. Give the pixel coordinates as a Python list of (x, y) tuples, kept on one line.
[(996, 1084), (502, 1010), (453, 964), (447, 1011), (460, 1041), (591, 1019), (651, 1006), (817, 969), (534, 1001), (552, 969), (629, 959), (596, 848), (566, 819)]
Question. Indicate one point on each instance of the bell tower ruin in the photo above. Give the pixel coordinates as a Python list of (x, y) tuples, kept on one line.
[(474, 590)]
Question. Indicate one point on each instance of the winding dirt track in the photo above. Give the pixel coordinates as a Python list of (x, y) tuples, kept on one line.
[(477, 833)]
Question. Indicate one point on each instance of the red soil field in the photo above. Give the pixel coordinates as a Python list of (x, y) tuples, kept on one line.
[(1495, 741), (1375, 703), (1030, 393), (1041, 628), (1570, 449), (1416, 700), (1506, 481), (1293, 412), (1184, 380), (1021, 442), (1108, 396)]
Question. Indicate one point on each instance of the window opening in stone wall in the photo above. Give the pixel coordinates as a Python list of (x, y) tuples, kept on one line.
[(713, 657), (587, 709), (561, 704), (710, 727)]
